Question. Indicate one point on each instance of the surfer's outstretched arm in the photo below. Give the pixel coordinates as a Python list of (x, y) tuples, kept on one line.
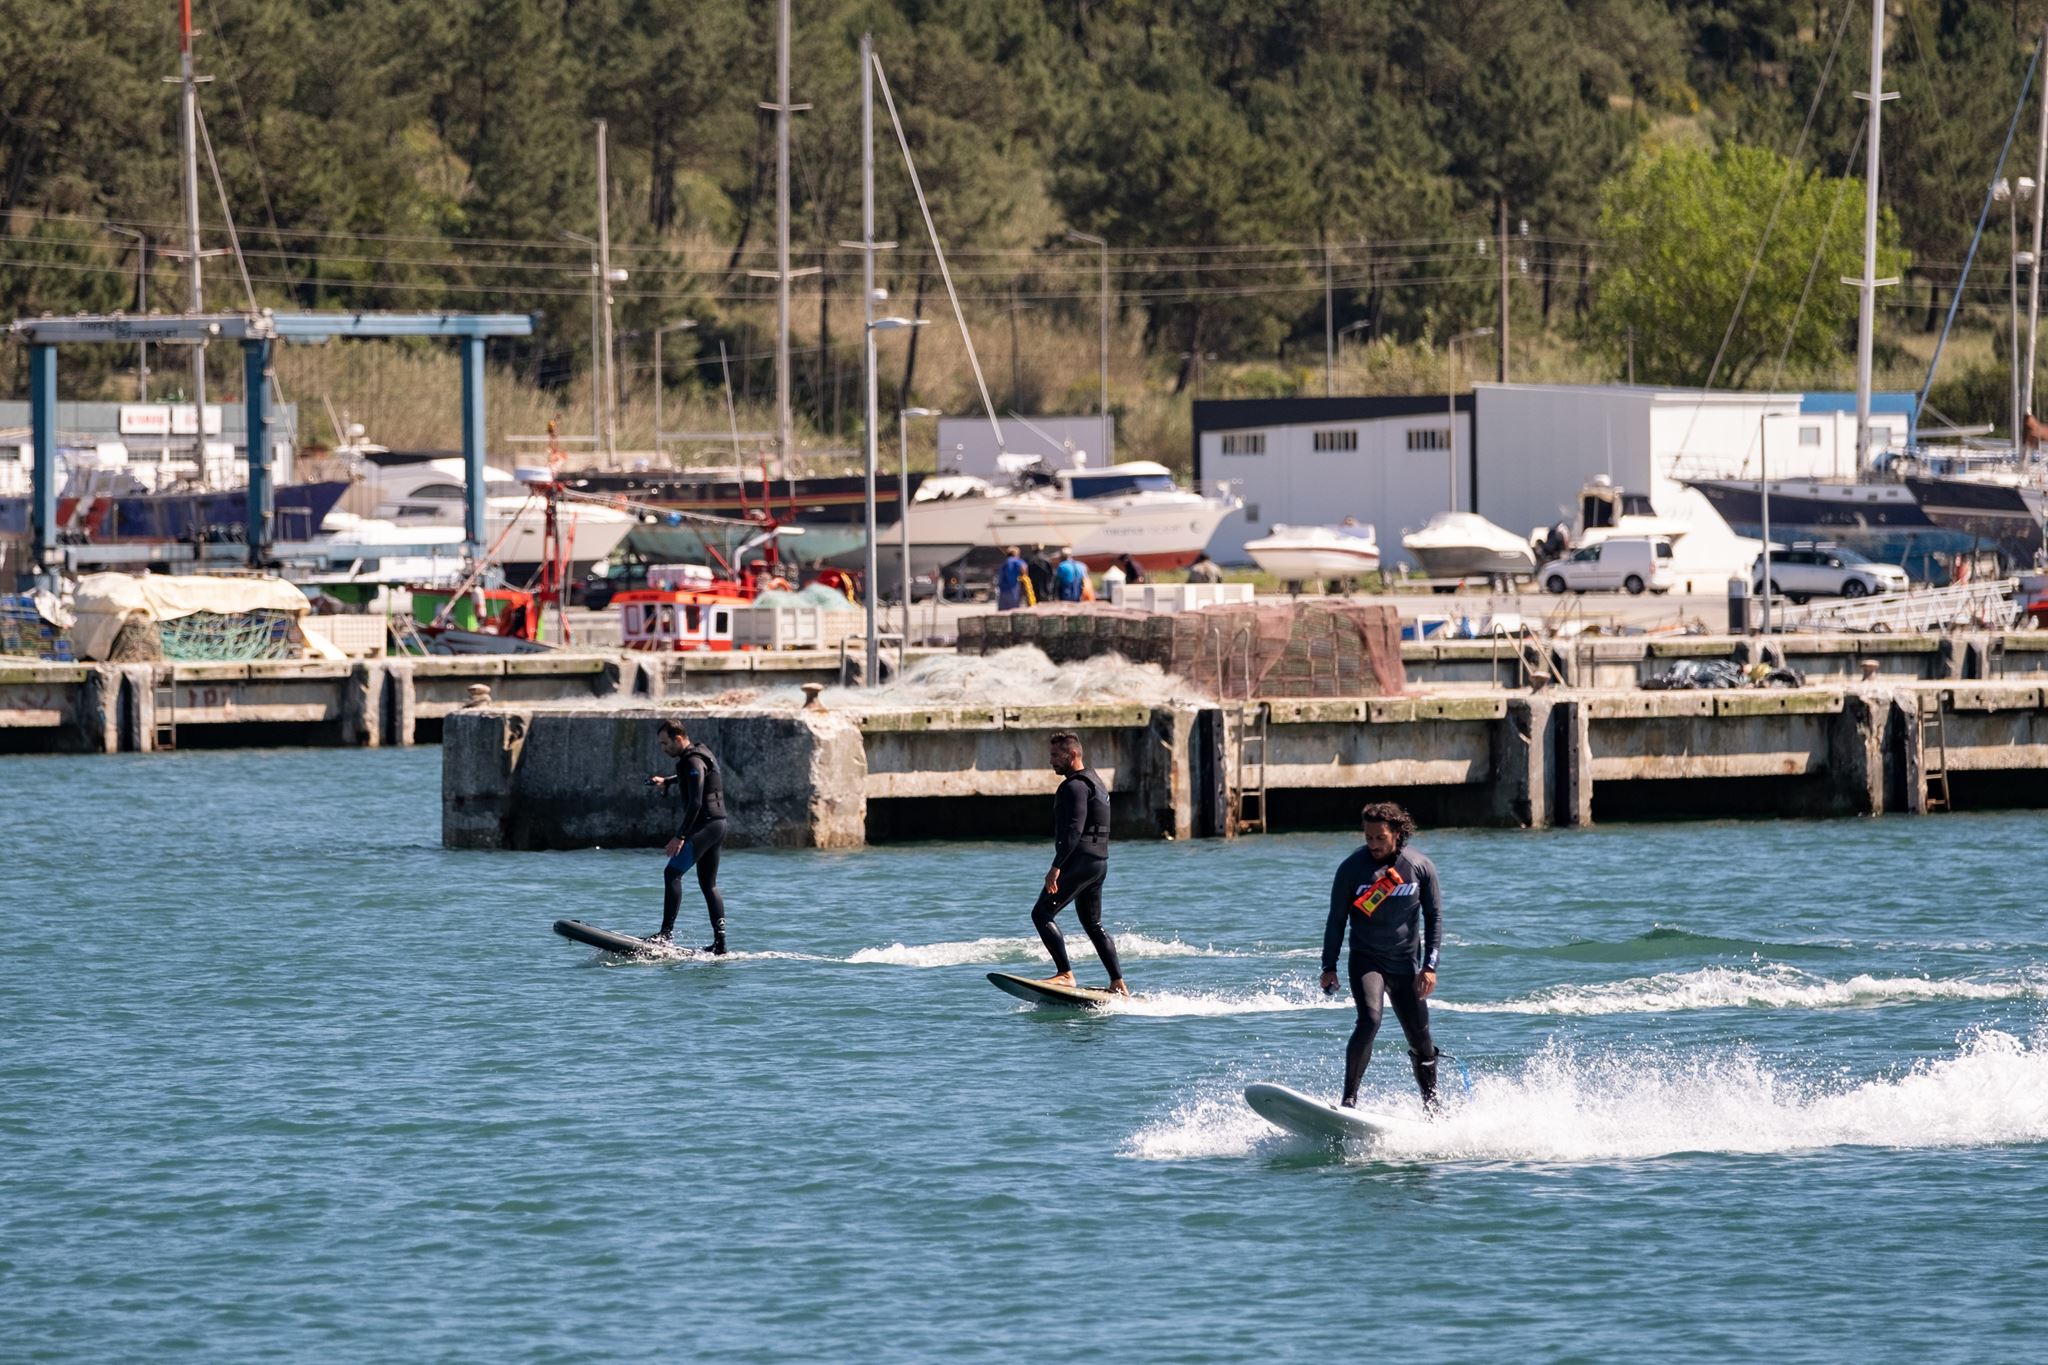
[(1333, 927)]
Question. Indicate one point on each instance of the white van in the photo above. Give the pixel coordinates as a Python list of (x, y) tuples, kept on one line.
[(1629, 564)]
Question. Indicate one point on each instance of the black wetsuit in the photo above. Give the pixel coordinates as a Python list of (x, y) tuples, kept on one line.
[(1390, 949), (1080, 842), (703, 834)]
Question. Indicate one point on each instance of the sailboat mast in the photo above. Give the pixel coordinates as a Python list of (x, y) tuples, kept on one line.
[(195, 300), (1866, 312), (2034, 271)]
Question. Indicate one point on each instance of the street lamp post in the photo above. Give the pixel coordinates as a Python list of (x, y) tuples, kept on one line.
[(903, 416), (1348, 328), (1102, 345), (680, 325), (141, 307), (874, 325), (1451, 406)]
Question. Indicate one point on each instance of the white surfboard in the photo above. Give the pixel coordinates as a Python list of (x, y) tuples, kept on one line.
[(1308, 1117)]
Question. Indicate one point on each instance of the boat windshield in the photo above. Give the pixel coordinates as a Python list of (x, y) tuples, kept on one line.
[(1110, 485)]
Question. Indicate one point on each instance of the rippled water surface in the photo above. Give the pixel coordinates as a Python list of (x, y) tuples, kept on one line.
[(282, 1078)]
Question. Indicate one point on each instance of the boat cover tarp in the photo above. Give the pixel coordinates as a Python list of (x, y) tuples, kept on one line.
[(105, 602)]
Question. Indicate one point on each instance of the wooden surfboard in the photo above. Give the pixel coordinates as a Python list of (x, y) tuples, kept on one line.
[(1045, 993)]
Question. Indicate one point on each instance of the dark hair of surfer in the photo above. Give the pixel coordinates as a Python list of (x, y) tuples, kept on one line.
[(674, 727), (1065, 741), (1393, 817)]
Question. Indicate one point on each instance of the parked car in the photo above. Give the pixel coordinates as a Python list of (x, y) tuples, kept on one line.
[(1803, 570), (607, 579), (1630, 564)]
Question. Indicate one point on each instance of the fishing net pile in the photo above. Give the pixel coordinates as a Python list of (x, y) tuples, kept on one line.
[(1327, 648), (126, 618)]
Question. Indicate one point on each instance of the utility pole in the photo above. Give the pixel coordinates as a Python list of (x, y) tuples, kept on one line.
[(141, 307), (782, 229), (782, 274), (609, 364), (1503, 325), (1329, 328), (1102, 345), (873, 676)]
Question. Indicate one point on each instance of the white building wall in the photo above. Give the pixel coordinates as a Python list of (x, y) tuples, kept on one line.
[(1382, 483), (1539, 444)]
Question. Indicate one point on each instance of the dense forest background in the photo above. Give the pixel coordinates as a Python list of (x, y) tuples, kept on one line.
[(1265, 172)]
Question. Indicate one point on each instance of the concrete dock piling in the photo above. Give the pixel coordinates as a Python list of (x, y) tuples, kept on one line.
[(556, 777)]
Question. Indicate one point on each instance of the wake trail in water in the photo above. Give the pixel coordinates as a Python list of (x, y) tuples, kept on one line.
[(672, 956), (1563, 1106), (1773, 986), (1661, 941), (995, 951)]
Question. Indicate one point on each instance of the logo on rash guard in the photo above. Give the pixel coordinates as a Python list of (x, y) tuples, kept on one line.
[(1370, 897)]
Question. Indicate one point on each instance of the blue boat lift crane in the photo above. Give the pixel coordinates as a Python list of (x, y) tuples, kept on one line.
[(258, 333)]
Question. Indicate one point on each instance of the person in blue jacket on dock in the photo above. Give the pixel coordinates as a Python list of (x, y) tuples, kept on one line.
[(1013, 583)]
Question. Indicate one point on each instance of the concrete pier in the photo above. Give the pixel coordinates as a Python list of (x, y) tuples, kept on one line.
[(116, 708), (554, 777)]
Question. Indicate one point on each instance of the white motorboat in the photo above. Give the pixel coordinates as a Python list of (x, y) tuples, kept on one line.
[(1297, 554), (1132, 509), (1467, 545), (426, 495), (372, 550)]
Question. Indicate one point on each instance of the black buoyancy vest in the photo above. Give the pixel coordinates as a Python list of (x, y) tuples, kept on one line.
[(1095, 826), (714, 784)]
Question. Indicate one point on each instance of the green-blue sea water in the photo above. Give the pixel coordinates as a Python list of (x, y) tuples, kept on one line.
[(283, 1079)]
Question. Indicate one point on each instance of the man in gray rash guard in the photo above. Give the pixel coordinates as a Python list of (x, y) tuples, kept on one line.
[(1080, 863), (1388, 893)]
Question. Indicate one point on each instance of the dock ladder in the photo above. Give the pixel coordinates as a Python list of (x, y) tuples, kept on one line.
[(1248, 786), (163, 709), (1934, 750)]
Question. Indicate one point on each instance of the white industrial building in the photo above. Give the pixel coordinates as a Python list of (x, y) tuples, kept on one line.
[(1315, 461), (1523, 452)]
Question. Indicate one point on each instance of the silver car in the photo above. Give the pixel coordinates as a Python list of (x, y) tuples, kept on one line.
[(1799, 572)]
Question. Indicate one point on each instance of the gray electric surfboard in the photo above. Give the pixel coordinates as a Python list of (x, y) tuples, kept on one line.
[(625, 945), (1045, 993), (1305, 1116)]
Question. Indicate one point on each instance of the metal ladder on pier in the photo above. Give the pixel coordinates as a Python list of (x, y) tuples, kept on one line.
[(1539, 665), (163, 710), (1248, 782), (1933, 750)]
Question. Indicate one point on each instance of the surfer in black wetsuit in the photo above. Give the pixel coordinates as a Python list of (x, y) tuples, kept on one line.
[(1080, 862), (699, 836), (1388, 894)]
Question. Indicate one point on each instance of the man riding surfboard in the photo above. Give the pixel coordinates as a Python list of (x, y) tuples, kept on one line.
[(1080, 863)]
